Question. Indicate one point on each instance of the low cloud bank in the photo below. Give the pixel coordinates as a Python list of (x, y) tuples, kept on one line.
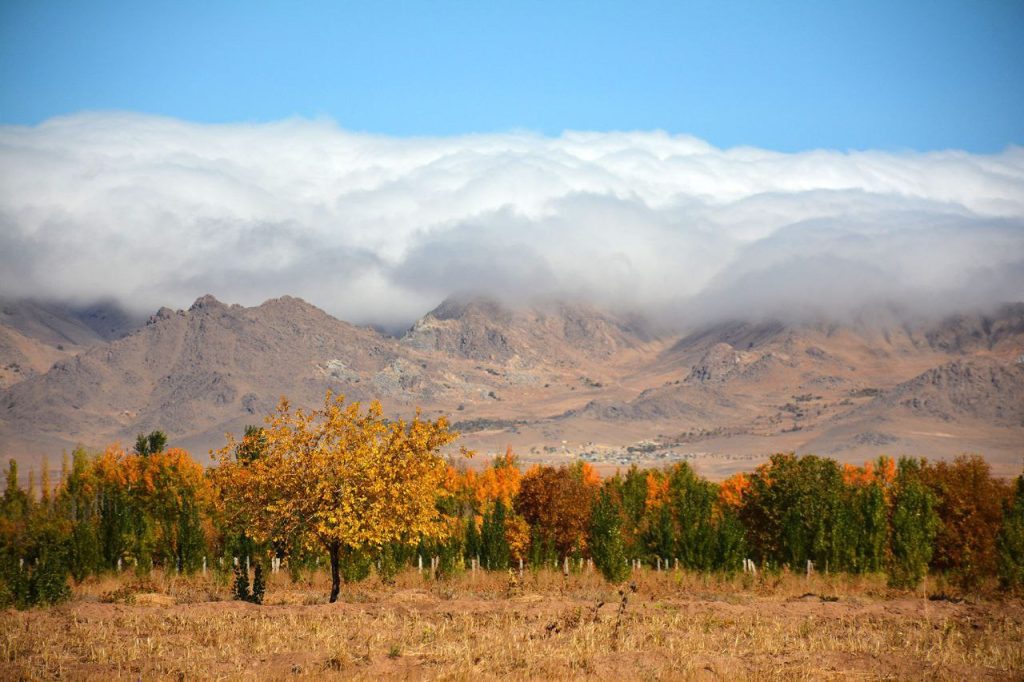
[(154, 211)]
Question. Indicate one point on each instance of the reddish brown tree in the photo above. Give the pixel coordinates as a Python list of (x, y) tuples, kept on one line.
[(557, 504), (970, 507)]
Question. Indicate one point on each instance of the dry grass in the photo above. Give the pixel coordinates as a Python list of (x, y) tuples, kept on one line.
[(676, 625)]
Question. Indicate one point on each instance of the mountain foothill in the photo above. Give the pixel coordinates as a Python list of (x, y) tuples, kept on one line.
[(553, 380)]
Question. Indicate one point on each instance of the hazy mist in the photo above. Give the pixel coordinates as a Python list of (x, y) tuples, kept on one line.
[(155, 211)]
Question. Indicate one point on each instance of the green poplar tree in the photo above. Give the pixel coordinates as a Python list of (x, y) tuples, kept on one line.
[(472, 544), (633, 490), (731, 543), (494, 546), (16, 501), (915, 525), (1010, 541), (77, 502), (792, 509), (874, 525), (606, 544), (693, 503), (659, 533)]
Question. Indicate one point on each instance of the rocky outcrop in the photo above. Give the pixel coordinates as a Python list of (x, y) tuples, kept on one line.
[(554, 333), (979, 388)]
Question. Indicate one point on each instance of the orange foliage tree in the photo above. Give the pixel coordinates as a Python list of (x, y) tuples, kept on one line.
[(149, 507), (500, 481), (173, 490), (346, 478), (732, 490)]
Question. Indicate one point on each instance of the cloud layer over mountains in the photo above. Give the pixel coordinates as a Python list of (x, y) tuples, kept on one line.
[(155, 211)]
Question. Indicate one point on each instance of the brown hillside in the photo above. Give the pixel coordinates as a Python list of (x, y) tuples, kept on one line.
[(552, 380)]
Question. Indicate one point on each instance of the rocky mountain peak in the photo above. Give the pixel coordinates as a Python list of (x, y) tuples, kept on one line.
[(561, 332), (164, 313), (206, 302)]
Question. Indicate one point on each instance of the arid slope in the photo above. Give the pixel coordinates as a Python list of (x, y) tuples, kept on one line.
[(552, 379)]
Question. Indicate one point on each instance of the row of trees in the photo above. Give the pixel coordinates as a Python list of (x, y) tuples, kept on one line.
[(903, 518), (143, 508), (361, 491)]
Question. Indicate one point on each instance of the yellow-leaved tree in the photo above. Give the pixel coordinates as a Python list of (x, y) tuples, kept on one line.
[(341, 476)]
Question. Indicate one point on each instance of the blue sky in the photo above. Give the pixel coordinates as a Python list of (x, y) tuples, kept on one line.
[(786, 76)]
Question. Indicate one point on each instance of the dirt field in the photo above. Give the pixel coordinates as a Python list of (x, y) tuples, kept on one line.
[(674, 626)]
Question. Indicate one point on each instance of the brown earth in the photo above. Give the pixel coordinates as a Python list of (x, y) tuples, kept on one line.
[(554, 380), (34, 335), (676, 625)]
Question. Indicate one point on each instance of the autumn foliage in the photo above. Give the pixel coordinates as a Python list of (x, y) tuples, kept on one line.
[(557, 504), (339, 476), (374, 495), (970, 508)]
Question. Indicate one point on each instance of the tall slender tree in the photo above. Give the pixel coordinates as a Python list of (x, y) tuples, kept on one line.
[(1010, 543), (914, 527)]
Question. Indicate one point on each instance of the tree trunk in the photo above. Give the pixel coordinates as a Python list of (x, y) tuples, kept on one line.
[(335, 551)]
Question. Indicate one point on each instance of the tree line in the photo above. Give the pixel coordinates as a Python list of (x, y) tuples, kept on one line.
[(348, 489)]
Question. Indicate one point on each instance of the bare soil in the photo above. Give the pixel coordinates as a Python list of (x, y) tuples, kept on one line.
[(674, 626)]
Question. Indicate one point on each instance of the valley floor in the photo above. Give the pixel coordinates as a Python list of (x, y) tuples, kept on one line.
[(675, 625)]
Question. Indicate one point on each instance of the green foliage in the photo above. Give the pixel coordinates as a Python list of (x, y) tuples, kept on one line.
[(543, 552), (77, 501), (240, 587), (152, 444), (34, 562), (48, 578), (1010, 542), (658, 534), (114, 524), (355, 565), (253, 445), (861, 530), (633, 492), (34, 549), (914, 527), (449, 554), (731, 543), (392, 557), (156, 508), (791, 510), (259, 585), (301, 560), (190, 545), (472, 545), (606, 545), (16, 500), (84, 557), (494, 550), (693, 507), (137, 510)]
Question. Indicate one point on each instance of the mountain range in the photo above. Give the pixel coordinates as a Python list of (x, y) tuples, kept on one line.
[(555, 380)]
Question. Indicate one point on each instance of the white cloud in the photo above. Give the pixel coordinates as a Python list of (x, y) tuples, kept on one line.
[(156, 211)]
